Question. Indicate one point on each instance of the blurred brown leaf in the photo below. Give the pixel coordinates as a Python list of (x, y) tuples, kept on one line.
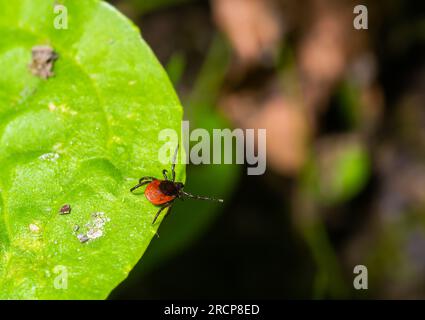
[(252, 26), (287, 125)]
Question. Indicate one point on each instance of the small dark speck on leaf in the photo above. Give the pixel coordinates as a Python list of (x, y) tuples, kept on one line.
[(66, 209), (83, 238), (76, 228), (43, 58)]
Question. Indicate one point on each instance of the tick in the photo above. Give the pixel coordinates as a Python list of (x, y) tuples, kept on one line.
[(164, 192)]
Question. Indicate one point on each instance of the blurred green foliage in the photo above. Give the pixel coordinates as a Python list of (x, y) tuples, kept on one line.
[(343, 176), (146, 6)]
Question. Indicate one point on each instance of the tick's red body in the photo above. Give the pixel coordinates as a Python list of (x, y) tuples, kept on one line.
[(160, 191), (164, 192)]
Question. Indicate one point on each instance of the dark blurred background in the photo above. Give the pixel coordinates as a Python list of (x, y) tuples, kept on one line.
[(345, 119)]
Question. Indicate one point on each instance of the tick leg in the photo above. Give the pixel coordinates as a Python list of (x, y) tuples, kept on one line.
[(167, 205), (173, 165), (139, 185), (173, 172), (142, 182), (146, 178), (164, 173)]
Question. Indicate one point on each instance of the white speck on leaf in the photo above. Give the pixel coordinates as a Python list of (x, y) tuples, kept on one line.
[(52, 157), (94, 233), (94, 227), (52, 106), (34, 228)]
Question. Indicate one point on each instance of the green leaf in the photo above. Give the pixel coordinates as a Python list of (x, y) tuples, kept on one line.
[(82, 137)]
